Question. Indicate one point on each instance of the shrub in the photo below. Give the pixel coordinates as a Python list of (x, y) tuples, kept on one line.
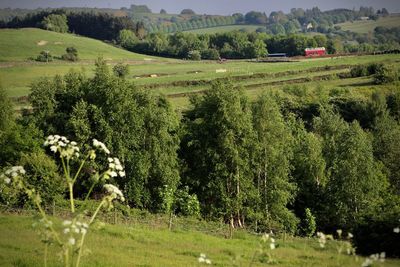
[(359, 71), (385, 75), (309, 224), (210, 54), (44, 56), (377, 233), (194, 55), (71, 55), (121, 70), (43, 175), (186, 204)]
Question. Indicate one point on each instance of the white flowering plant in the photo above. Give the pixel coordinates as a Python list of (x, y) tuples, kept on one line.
[(71, 238)]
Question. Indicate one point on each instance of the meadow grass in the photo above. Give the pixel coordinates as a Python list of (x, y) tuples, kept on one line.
[(16, 79), (144, 245), (21, 44), (365, 26)]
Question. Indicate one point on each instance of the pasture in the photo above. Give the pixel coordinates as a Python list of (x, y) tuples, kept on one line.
[(138, 244), (22, 44), (367, 26)]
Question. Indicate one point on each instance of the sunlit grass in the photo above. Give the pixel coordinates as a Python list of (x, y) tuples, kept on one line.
[(146, 245)]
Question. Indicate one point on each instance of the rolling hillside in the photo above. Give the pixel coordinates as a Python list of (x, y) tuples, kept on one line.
[(370, 25), (21, 44)]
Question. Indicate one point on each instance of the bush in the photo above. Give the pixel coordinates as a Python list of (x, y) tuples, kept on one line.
[(44, 56), (194, 55), (43, 175), (210, 54), (120, 70), (376, 232), (71, 55), (309, 225), (385, 75), (186, 204), (359, 71)]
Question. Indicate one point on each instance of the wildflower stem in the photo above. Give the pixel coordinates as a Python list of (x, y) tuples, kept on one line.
[(78, 259), (45, 254), (80, 168), (89, 192), (71, 196), (97, 211)]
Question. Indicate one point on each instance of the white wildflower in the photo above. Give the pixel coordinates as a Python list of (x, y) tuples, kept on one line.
[(382, 256), (66, 223), (71, 241), (350, 235), (102, 146), (208, 261), (121, 173), (272, 246), (366, 263), (114, 191), (66, 230), (201, 259), (396, 230), (7, 180), (265, 237), (321, 239), (66, 148)]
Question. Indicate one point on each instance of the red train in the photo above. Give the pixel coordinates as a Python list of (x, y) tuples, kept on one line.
[(315, 52)]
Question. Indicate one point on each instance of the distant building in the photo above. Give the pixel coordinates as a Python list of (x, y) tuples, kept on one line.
[(315, 51), (364, 18)]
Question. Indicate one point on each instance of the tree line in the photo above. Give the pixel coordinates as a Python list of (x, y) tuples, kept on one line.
[(268, 164)]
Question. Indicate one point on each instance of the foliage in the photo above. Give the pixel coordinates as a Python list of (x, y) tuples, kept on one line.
[(272, 155), (44, 56), (186, 204), (127, 39), (55, 23), (309, 224), (42, 174), (121, 70), (385, 75), (376, 232), (138, 126), (217, 153), (356, 181), (194, 55), (71, 55), (187, 12), (72, 234)]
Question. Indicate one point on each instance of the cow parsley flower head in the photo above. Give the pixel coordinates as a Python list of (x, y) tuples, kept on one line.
[(396, 230), (114, 168), (61, 144), (114, 192), (321, 239), (203, 259), (101, 146), (12, 174)]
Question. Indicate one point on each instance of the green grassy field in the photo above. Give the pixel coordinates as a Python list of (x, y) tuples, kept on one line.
[(21, 44), (154, 245), (228, 28), (17, 78), (370, 25)]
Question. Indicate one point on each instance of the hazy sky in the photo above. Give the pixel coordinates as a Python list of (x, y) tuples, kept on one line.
[(208, 6)]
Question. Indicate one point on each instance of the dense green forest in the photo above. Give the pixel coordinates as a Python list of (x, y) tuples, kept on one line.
[(268, 164)]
